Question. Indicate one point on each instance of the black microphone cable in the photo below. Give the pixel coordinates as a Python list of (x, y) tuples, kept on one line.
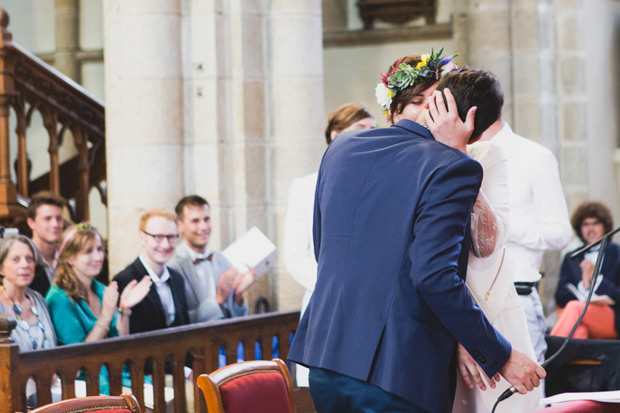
[(510, 391)]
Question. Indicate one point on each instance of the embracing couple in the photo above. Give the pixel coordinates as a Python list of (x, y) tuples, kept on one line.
[(398, 213)]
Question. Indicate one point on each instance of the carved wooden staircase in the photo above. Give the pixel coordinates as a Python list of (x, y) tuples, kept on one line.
[(28, 85)]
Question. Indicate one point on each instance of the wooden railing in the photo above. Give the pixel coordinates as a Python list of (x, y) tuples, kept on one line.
[(199, 344), (27, 84)]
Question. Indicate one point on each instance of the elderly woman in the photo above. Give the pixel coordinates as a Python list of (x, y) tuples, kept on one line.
[(590, 221), (17, 264)]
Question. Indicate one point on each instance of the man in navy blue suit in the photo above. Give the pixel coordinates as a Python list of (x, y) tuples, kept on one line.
[(391, 220)]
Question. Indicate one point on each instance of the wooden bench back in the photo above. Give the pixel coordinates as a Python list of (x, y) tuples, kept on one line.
[(202, 342)]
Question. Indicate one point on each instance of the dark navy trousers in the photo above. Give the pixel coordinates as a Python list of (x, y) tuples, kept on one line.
[(338, 393)]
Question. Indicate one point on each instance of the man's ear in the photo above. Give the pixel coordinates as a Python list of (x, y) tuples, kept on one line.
[(30, 222), (142, 238), (474, 139)]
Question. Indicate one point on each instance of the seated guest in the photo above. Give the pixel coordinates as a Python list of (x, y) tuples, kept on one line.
[(44, 218), (82, 308), (590, 221), (27, 307), (213, 287), (165, 304)]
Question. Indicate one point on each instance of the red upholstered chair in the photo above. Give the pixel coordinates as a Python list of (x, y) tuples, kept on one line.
[(258, 386), (582, 406), (125, 403)]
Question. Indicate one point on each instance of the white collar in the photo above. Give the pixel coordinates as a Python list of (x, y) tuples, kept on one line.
[(158, 280), (195, 255), (504, 133)]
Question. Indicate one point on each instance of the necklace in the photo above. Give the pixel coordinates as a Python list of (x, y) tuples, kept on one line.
[(23, 324), (17, 309)]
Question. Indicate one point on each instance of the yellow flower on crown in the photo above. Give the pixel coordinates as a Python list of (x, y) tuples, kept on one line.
[(402, 76), (423, 60)]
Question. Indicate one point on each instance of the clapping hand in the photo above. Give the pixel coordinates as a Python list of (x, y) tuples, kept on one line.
[(587, 271), (242, 283), (108, 303), (135, 292), (225, 284)]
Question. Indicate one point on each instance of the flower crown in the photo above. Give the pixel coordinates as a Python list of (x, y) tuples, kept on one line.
[(404, 76)]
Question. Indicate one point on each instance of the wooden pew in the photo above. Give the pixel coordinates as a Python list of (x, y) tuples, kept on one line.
[(201, 342)]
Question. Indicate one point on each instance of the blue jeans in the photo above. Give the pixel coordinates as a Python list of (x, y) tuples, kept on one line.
[(337, 393)]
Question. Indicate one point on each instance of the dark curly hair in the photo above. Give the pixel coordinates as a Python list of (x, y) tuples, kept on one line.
[(591, 209)]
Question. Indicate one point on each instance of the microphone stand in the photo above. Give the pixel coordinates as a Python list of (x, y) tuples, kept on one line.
[(597, 267), (595, 243)]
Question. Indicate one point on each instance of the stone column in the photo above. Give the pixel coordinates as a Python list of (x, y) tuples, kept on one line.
[(206, 97), (253, 117), (226, 152), (335, 16), (144, 116), (595, 113), (572, 100), (67, 38), (491, 52), (521, 52), (296, 104)]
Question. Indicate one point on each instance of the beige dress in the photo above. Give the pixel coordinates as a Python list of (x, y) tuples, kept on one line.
[(490, 282)]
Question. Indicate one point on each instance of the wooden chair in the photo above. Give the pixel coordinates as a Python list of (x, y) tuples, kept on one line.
[(125, 403), (258, 386)]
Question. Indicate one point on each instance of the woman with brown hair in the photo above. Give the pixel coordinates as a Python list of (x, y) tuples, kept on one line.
[(346, 117), (409, 84), (82, 308)]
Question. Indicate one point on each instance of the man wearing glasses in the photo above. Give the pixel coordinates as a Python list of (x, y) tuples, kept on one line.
[(165, 304), (214, 288)]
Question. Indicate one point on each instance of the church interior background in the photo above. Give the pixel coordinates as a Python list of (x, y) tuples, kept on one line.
[(228, 98)]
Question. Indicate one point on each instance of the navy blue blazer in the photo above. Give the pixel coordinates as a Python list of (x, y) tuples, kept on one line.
[(149, 314), (610, 285), (392, 209)]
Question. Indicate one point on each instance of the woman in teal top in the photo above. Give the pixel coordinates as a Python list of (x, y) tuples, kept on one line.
[(82, 308)]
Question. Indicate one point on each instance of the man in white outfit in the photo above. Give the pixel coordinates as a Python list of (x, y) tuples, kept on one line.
[(538, 219)]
